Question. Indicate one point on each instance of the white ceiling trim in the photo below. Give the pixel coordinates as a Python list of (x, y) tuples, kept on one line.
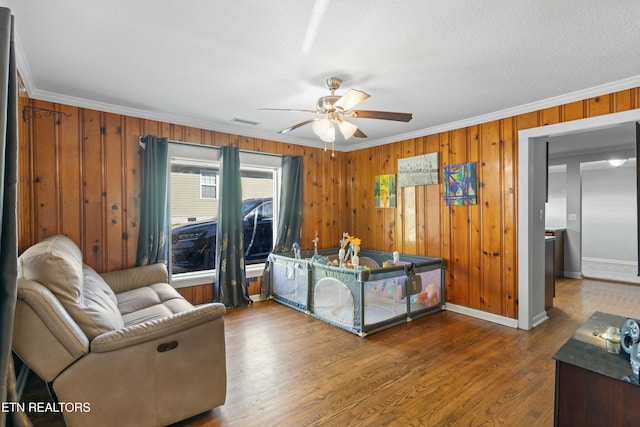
[(22, 64), (604, 89), (164, 117), (214, 126)]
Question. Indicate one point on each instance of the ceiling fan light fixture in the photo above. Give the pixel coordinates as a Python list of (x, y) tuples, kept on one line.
[(324, 129), (347, 128), (331, 134), (333, 109)]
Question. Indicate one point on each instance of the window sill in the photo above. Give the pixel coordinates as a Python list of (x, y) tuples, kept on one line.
[(185, 280)]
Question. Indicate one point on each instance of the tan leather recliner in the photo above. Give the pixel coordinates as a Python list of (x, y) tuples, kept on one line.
[(121, 348)]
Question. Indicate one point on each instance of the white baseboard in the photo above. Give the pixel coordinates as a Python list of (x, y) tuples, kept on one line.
[(609, 261), (483, 315), (542, 317), (573, 274)]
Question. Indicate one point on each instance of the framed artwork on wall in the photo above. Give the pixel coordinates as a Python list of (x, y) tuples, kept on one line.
[(460, 184), (384, 191), (418, 170)]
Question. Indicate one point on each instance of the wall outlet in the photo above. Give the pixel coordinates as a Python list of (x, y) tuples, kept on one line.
[(573, 217)]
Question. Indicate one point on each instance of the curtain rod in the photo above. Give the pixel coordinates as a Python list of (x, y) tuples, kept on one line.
[(216, 147)]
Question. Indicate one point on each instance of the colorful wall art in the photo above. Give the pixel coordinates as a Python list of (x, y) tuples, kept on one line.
[(418, 170), (460, 184), (384, 191)]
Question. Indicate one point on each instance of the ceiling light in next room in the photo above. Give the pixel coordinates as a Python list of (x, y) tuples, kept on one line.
[(617, 162)]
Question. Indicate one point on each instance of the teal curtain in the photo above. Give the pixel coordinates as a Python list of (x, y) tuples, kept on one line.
[(231, 277), (154, 207), (290, 214), (8, 221), (290, 226)]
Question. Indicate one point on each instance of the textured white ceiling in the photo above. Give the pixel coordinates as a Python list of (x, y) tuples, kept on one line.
[(600, 143), (203, 63)]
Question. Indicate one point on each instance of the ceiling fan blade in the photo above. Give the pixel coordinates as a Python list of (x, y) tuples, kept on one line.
[(359, 134), (350, 99), (383, 115), (288, 109), (296, 126)]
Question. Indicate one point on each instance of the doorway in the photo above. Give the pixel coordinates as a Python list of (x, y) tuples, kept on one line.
[(532, 164), (591, 196)]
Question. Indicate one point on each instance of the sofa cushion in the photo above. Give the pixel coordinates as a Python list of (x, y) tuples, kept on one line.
[(100, 305), (150, 303), (56, 262)]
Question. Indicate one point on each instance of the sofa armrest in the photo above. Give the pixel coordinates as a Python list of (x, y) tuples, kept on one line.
[(45, 337), (136, 277), (49, 310), (154, 329)]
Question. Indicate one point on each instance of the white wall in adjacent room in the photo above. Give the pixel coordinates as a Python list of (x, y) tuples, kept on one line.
[(609, 223), (609, 226)]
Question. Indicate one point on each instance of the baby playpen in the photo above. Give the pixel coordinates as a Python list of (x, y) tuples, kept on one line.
[(379, 294)]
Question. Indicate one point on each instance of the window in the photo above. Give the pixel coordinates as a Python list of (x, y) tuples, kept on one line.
[(194, 200), (208, 184)]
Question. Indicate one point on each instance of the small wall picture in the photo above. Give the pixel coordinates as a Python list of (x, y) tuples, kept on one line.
[(384, 191), (418, 170), (460, 184)]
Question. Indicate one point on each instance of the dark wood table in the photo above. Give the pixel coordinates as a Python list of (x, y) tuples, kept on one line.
[(590, 390)]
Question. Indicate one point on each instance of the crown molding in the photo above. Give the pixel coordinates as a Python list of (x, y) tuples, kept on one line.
[(35, 93), (166, 117), (579, 95)]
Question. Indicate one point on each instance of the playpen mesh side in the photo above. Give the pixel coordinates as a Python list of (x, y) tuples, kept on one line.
[(369, 262), (337, 296), (290, 282), (332, 300), (425, 291), (385, 299)]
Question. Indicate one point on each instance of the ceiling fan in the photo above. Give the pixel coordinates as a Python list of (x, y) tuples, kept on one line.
[(333, 111)]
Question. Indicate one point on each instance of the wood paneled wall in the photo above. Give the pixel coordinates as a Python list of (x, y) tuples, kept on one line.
[(80, 176), (479, 243)]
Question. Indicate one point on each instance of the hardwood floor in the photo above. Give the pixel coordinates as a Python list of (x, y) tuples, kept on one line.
[(287, 369)]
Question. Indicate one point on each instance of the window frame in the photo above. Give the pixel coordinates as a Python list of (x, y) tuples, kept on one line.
[(203, 154)]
